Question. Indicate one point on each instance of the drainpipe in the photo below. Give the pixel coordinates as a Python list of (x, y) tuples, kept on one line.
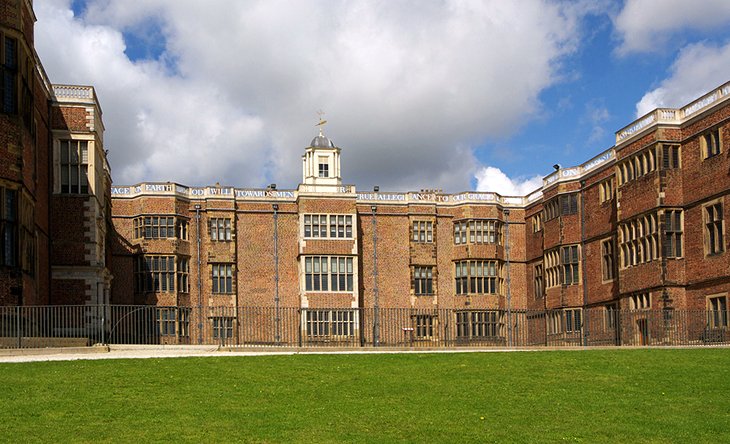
[(586, 322), (376, 302), (200, 283), (276, 270), (509, 293)]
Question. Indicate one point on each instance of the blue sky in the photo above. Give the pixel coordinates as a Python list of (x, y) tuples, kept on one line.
[(454, 95)]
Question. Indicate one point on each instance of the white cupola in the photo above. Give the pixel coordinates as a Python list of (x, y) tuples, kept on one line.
[(321, 162)]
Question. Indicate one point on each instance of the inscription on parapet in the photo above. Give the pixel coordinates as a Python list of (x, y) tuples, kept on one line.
[(157, 187), (382, 196), (598, 160)]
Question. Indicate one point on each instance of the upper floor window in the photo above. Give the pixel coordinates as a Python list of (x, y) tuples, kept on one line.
[(562, 266), (182, 229), (536, 222), (670, 157), (563, 205), (639, 240), (328, 225), (570, 264), (324, 168), (608, 267), (154, 274), (422, 231), (539, 283), (74, 166), (222, 275), (710, 143), (8, 227), (183, 274), (636, 166), (220, 229), (478, 232), (328, 273), (477, 277), (9, 74), (606, 191), (714, 229), (154, 227), (673, 233), (422, 280)]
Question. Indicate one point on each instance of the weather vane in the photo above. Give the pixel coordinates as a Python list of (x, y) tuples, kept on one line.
[(321, 123)]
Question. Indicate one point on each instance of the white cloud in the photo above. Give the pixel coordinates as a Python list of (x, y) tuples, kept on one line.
[(698, 69), (409, 88), (493, 179), (647, 25)]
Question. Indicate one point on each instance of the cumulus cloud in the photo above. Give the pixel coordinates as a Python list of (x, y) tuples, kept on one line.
[(493, 179), (409, 88), (698, 69), (647, 25)]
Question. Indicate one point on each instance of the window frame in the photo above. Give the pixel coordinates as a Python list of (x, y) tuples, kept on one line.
[(78, 167), (608, 259), (422, 231), (479, 324), (606, 190), (9, 75), (640, 301), (321, 277), (221, 274), (9, 226), (222, 327), (327, 226), (673, 238), (337, 324), (570, 264), (714, 227), (422, 280), (155, 273), (471, 278), (538, 280), (711, 143), (717, 311), (220, 229), (478, 232)]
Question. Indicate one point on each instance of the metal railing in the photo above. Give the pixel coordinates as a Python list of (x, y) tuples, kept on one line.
[(84, 325)]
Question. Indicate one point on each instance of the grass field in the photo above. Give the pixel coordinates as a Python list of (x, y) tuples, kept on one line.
[(639, 395)]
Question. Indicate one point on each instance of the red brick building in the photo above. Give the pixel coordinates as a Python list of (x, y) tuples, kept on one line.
[(638, 227), (54, 178)]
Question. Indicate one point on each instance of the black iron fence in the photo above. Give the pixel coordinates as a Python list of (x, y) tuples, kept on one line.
[(63, 326)]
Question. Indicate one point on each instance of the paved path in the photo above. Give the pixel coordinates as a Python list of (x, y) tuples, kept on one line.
[(142, 352)]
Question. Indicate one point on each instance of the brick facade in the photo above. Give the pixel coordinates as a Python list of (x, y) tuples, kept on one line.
[(55, 241), (584, 231)]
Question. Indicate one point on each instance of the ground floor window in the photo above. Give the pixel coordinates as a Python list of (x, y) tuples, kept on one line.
[(222, 327), (173, 321), (565, 321), (717, 316), (478, 324), (423, 326), (322, 324)]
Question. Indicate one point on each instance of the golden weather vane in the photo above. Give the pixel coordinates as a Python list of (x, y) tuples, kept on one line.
[(321, 123), (320, 113)]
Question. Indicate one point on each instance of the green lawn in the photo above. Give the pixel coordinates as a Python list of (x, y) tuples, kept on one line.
[(550, 396)]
